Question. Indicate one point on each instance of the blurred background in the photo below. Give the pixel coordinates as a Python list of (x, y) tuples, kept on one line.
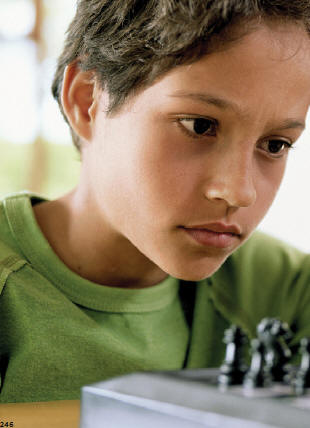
[(36, 152)]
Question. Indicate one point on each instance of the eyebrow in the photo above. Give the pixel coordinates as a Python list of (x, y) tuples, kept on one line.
[(230, 105), (207, 99), (291, 124)]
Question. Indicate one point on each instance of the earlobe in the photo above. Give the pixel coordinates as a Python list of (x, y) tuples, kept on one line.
[(78, 100)]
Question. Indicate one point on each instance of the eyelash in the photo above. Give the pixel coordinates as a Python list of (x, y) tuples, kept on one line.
[(287, 145)]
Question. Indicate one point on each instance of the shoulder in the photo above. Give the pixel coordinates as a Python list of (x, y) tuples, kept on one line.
[(269, 265), (10, 261), (11, 257), (265, 278), (264, 253)]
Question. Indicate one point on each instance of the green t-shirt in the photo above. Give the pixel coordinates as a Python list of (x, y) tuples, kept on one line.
[(59, 331)]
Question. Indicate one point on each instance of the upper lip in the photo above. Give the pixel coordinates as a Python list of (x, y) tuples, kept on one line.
[(218, 227)]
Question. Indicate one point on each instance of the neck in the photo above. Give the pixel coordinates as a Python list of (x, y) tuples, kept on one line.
[(88, 246)]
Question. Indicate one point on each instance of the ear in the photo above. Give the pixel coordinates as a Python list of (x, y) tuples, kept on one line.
[(78, 100)]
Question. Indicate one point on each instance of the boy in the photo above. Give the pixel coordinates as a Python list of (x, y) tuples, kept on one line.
[(184, 113)]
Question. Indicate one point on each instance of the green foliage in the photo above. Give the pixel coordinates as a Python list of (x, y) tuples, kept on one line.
[(59, 170)]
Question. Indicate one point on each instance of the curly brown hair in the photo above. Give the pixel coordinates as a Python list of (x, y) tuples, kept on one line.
[(130, 43)]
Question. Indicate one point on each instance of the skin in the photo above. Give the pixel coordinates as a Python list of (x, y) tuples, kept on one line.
[(145, 175)]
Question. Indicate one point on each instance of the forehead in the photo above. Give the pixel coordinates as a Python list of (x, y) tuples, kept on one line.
[(270, 65)]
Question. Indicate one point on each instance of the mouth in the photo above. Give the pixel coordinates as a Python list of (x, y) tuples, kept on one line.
[(216, 235)]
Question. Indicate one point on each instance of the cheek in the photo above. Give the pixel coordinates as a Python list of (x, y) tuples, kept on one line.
[(165, 175), (268, 181), (163, 164)]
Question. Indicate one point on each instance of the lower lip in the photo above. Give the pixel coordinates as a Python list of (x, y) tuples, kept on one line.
[(212, 239)]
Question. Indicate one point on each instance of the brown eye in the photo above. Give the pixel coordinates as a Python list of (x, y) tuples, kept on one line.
[(276, 148), (199, 126)]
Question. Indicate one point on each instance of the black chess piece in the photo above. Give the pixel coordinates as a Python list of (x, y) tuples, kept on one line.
[(275, 334), (256, 376), (270, 353), (302, 380), (233, 369)]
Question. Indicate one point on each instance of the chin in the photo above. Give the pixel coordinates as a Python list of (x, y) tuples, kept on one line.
[(195, 271), (195, 277)]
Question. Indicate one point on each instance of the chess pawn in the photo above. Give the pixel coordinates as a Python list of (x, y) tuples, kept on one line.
[(302, 380), (257, 375), (233, 368)]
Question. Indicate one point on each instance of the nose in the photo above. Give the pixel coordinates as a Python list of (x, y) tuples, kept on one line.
[(232, 181)]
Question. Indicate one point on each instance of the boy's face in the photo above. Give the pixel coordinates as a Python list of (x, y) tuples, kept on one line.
[(202, 148)]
